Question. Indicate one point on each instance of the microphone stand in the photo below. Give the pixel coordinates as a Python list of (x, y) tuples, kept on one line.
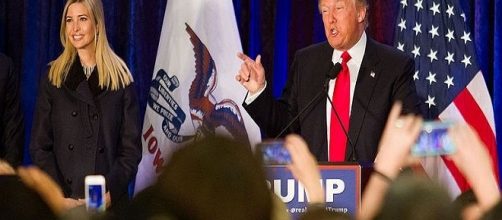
[(333, 72), (301, 112)]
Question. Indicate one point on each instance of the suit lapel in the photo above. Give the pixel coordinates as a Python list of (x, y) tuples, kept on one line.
[(363, 93), (323, 102), (312, 83), (327, 67)]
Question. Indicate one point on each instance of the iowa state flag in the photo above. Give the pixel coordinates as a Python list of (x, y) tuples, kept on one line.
[(193, 92)]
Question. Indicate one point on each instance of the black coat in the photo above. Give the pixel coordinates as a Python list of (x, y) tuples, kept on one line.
[(385, 76), (11, 115), (80, 129)]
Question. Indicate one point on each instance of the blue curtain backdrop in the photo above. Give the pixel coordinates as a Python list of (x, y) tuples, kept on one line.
[(29, 34)]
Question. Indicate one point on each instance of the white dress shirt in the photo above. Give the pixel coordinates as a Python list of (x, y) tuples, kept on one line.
[(354, 64)]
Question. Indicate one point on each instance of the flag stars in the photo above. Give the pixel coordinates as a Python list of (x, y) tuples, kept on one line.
[(402, 24), (417, 28), (419, 5), (430, 101), (415, 76), (404, 3), (435, 8), (449, 58), (431, 78), (400, 46), (432, 55), (434, 31), (450, 35), (416, 51), (449, 11), (467, 61), (466, 37), (449, 81)]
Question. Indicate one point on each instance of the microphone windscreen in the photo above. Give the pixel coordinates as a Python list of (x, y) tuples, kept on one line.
[(335, 70)]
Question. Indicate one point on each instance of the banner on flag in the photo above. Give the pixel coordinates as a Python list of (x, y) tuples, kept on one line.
[(193, 92), (447, 76)]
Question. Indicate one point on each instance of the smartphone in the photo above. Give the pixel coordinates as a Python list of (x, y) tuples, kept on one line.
[(433, 140), (95, 193), (273, 152)]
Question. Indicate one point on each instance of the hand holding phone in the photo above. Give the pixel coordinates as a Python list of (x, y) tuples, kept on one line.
[(273, 152), (433, 140), (95, 193)]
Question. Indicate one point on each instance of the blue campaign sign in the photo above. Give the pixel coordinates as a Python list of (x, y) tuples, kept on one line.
[(342, 184)]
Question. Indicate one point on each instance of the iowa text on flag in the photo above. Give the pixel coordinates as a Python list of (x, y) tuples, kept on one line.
[(193, 92), (447, 76)]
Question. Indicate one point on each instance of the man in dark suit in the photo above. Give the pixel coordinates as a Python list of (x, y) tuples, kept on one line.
[(373, 76), (11, 128)]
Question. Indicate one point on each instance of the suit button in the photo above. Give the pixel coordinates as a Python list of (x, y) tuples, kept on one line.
[(95, 116), (101, 150), (68, 180), (74, 114), (70, 147)]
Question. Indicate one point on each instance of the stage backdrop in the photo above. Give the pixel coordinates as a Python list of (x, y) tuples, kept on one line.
[(29, 33)]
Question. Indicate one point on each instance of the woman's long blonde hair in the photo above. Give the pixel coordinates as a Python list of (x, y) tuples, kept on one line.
[(113, 72)]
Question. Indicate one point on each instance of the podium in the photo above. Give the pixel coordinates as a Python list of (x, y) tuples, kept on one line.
[(342, 183)]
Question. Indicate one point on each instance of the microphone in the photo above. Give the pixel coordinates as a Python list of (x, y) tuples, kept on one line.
[(353, 156), (332, 73)]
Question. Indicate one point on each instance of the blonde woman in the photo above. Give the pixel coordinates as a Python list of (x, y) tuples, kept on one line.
[(86, 118)]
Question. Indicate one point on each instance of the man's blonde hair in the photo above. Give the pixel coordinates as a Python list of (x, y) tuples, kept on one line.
[(363, 3)]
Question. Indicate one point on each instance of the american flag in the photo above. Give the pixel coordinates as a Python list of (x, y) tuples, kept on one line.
[(448, 78)]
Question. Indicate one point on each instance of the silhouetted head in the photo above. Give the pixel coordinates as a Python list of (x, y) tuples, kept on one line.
[(413, 197), (215, 178)]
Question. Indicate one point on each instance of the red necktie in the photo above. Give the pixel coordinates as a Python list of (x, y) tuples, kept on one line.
[(341, 102)]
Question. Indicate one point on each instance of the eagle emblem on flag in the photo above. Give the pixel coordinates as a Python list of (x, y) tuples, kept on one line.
[(206, 111)]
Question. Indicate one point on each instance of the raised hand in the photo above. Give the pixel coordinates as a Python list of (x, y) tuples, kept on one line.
[(394, 152), (395, 145), (252, 74), (304, 167), (473, 160)]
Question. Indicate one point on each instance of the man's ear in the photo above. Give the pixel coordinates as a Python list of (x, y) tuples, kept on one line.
[(361, 14)]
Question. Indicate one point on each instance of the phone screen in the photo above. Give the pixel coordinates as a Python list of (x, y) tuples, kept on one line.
[(433, 140), (95, 197), (273, 152)]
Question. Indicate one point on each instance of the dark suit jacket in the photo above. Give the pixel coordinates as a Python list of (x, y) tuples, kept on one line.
[(80, 129), (11, 115), (373, 98)]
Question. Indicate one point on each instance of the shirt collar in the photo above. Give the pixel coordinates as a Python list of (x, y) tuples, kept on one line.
[(356, 52)]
